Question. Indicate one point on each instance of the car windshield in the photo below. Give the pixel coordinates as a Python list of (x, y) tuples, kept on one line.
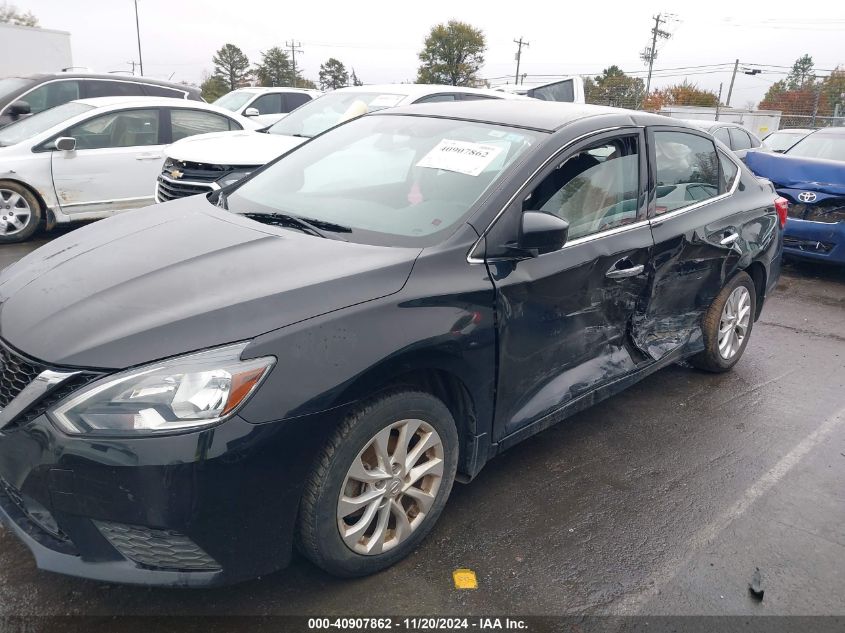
[(820, 145), (386, 180), (13, 84), (332, 109), (37, 123), (782, 141), (234, 100)]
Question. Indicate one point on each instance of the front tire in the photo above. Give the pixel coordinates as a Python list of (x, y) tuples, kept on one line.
[(379, 484), (20, 213), (727, 325)]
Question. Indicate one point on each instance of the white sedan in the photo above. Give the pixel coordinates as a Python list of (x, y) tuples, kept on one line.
[(91, 158)]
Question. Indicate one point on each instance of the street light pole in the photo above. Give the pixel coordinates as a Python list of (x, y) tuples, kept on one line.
[(138, 33)]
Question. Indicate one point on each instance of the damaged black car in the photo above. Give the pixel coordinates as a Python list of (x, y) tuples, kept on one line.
[(316, 355)]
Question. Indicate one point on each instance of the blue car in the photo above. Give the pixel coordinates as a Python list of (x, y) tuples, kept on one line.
[(811, 176)]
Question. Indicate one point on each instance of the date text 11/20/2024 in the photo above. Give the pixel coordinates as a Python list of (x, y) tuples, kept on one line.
[(418, 624)]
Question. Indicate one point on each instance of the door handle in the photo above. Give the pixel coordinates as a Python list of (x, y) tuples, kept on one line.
[(729, 238), (628, 270)]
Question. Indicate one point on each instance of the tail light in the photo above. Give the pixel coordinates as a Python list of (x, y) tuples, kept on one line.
[(782, 208)]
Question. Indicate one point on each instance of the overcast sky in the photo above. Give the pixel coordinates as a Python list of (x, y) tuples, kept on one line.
[(381, 39)]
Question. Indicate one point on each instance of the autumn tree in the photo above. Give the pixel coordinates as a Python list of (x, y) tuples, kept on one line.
[(682, 94), (803, 93), (614, 88), (452, 54), (231, 65), (333, 75), (275, 68), (10, 14)]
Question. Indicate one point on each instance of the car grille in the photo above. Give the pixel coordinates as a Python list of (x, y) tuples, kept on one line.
[(179, 178), (807, 246), (158, 549), (829, 211), (16, 372)]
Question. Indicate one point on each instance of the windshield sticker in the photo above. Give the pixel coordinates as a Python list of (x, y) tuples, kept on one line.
[(460, 156), (386, 101)]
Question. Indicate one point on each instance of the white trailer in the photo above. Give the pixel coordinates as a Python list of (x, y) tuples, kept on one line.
[(760, 122), (28, 50)]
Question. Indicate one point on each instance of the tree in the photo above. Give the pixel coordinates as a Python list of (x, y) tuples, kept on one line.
[(614, 88), (333, 75), (353, 79), (801, 73), (231, 65), (452, 54), (680, 94), (275, 68), (213, 87), (10, 14)]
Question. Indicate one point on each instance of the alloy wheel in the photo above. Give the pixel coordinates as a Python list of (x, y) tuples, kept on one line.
[(733, 326), (15, 213), (390, 487)]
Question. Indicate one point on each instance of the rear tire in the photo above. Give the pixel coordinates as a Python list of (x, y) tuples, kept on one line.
[(727, 325), (371, 498), (20, 213)]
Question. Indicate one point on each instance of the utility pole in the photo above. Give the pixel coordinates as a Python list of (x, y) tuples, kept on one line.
[(816, 101), (295, 47), (650, 54), (138, 33), (719, 100), (731, 87), (519, 44)]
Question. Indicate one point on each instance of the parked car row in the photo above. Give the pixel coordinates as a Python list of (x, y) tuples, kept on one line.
[(316, 352)]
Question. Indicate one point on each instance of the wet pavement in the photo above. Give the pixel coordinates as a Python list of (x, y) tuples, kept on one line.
[(661, 500)]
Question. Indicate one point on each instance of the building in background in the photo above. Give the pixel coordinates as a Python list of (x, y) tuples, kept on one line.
[(30, 50)]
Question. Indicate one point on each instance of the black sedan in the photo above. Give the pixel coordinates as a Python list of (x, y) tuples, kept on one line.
[(316, 354)]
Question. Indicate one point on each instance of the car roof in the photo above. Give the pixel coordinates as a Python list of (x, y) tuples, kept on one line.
[(794, 130), (154, 102), (420, 90), (263, 89), (830, 131), (546, 116), (111, 77)]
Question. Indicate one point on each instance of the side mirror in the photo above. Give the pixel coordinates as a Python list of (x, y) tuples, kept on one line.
[(65, 143), (542, 232), (19, 109), (251, 112)]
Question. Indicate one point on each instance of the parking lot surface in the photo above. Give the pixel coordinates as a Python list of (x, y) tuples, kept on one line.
[(661, 500)]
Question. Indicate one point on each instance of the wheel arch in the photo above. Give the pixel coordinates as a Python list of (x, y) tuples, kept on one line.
[(757, 271), (48, 218)]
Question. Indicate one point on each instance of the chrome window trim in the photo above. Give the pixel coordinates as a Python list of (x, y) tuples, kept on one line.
[(471, 259), (657, 220), (143, 83), (34, 391)]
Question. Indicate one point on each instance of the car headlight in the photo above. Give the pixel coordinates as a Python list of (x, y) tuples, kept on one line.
[(232, 177), (186, 392)]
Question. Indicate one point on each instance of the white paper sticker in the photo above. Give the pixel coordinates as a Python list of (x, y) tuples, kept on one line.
[(386, 101), (460, 156)]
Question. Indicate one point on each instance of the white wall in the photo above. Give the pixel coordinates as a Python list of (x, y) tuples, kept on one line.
[(28, 50), (760, 122)]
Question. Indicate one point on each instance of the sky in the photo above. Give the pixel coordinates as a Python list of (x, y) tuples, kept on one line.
[(380, 40)]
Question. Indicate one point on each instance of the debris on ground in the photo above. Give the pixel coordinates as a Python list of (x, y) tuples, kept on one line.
[(756, 586)]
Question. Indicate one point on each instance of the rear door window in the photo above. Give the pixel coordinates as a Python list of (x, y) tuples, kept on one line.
[(729, 173), (739, 139), (292, 100), (185, 122), (98, 88), (161, 91), (722, 135), (51, 95), (686, 170)]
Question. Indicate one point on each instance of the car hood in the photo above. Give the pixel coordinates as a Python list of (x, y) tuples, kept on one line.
[(233, 148), (179, 277), (794, 172)]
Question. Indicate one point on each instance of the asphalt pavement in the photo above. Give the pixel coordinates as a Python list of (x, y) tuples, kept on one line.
[(664, 499)]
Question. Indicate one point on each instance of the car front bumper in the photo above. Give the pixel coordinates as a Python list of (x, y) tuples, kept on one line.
[(817, 241), (196, 509)]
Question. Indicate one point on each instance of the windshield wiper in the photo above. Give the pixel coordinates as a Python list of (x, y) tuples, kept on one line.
[(300, 135), (296, 222)]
